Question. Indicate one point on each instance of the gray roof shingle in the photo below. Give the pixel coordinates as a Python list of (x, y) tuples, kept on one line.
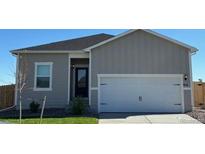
[(72, 44)]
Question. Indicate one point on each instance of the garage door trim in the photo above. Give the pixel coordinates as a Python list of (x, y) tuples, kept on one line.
[(99, 76)]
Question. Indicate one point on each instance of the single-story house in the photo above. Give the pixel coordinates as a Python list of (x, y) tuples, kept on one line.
[(136, 71)]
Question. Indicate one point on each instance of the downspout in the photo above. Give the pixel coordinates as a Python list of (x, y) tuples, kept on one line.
[(191, 78)]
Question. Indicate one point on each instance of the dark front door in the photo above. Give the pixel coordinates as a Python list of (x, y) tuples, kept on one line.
[(81, 82)]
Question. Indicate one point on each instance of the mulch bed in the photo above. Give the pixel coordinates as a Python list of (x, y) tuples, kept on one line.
[(198, 114), (52, 113)]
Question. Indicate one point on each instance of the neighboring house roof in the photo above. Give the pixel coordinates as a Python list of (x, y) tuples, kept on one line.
[(192, 49), (69, 45)]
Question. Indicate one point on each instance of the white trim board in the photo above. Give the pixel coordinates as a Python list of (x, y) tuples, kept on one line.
[(99, 77), (187, 88), (139, 75), (191, 80), (192, 49), (69, 61), (89, 80), (182, 93), (48, 51), (50, 76), (94, 88), (79, 55), (181, 76)]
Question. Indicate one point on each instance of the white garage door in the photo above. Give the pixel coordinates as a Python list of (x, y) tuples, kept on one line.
[(140, 93)]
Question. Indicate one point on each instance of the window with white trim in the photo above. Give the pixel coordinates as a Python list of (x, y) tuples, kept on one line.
[(43, 76)]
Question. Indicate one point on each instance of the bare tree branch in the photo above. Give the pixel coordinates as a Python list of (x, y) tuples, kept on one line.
[(22, 77)]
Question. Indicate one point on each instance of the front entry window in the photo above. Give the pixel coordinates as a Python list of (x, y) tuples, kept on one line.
[(81, 78), (81, 83)]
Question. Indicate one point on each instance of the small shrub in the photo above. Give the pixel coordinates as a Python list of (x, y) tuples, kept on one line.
[(78, 106), (34, 106)]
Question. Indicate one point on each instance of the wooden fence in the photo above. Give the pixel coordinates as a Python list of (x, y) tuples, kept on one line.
[(199, 93), (7, 95)]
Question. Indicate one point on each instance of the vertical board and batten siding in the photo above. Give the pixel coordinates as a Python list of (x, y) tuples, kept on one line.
[(139, 53), (187, 100), (56, 98)]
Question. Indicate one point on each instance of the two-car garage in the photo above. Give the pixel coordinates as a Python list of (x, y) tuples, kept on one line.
[(145, 93)]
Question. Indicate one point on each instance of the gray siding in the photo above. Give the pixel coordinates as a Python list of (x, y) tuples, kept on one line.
[(187, 100), (94, 101), (138, 53), (59, 94)]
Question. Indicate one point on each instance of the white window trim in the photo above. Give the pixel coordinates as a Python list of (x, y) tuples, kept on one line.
[(51, 76)]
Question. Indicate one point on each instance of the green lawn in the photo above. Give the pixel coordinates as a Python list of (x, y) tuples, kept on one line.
[(67, 120)]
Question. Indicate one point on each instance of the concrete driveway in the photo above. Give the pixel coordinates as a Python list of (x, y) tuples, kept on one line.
[(128, 118)]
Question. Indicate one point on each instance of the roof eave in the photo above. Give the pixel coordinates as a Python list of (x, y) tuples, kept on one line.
[(191, 48), (46, 51)]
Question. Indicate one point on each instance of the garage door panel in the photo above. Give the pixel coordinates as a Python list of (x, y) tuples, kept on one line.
[(110, 100), (158, 94)]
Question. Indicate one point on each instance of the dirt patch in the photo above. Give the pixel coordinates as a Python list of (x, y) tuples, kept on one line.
[(198, 114)]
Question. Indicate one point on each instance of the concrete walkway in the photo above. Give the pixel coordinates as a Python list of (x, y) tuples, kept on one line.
[(125, 118), (2, 122)]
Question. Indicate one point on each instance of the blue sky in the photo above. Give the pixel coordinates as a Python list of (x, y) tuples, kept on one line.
[(14, 39)]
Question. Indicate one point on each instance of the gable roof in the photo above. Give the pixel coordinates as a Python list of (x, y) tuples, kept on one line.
[(69, 45), (90, 42), (192, 49)]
